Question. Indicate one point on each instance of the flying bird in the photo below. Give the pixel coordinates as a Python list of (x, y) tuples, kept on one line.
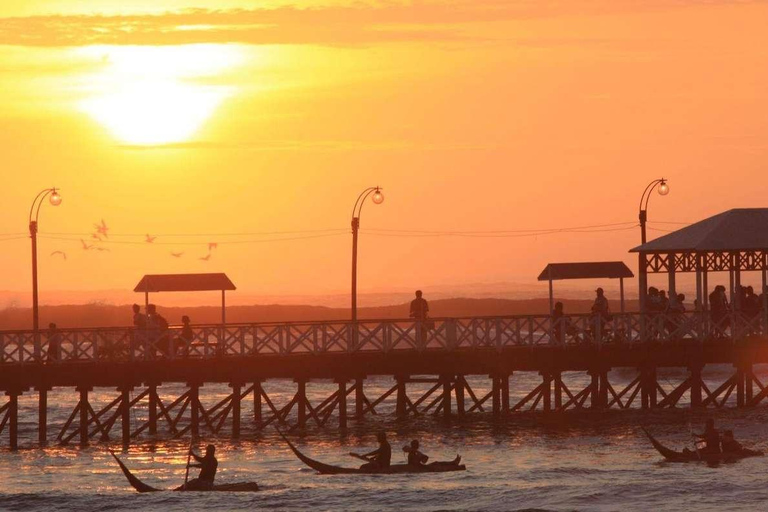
[(85, 245), (102, 249), (95, 236), (177, 254), (212, 245), (102, 228), (205, 258), (60, 253), (150, 239)]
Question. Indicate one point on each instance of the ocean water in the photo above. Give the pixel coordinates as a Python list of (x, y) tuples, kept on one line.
[(573, 461)]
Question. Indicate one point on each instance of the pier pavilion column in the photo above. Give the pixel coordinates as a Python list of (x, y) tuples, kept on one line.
[(257, 403), (84, 405), (459, 391), (13, 418), (695, 385), (342, 404), (236, 390), (359, 398), (446, 380), (194, 402), (401, 406), (152, 409), (301, 401), (125, 413), (42, 414)]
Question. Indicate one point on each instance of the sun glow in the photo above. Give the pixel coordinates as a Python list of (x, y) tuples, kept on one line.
[(157, 95)]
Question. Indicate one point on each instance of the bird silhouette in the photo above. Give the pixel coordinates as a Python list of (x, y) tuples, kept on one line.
[(102, 249), (95, 236), (60, 253), (102, 228), (212, 245), (85, 245), (205, 258), (150, 239), (177, 254)]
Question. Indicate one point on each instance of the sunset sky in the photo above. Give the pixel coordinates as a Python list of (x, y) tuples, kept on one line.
[(254, 125)]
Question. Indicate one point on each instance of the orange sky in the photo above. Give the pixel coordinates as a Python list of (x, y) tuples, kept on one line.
[(472, 115)]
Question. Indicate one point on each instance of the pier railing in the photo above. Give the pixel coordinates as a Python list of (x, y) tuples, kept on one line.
[(125, 344)]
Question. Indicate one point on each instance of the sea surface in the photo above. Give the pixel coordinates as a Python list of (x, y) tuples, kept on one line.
[(530, 461)]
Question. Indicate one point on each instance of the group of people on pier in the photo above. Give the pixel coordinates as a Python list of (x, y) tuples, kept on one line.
[(153, 329)]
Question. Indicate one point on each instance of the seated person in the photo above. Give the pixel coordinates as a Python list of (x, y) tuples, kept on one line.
[(711, 438), (415, 457), (729, 444), (380, 457), (208, 465)]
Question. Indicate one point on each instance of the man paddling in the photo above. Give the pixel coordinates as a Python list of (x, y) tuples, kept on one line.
[(380, 457), (711, 438), (208, 465)]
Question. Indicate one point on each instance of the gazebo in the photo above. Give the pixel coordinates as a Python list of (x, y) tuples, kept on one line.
[(154, 283), (734, 241), (585, 270)]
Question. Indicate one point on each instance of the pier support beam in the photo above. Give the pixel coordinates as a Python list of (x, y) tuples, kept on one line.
[(648, 385), (504, 384), (446, 381), (125, 414), (557, 377), (695, 385), (152, 409), (236, 390), (359, 398), (301, 402), (496, 394), (342, 405), (401, 406), (740, 386), (194, 403), (84, 407), (546, 391), (257, 391), (749, 388), (459, 391), (13, 418), (42, 415)]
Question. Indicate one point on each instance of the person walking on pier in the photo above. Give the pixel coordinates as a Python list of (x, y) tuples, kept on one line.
[(157, 330), (208, 466)]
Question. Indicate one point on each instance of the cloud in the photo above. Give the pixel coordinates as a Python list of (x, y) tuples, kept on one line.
[(358, 24)]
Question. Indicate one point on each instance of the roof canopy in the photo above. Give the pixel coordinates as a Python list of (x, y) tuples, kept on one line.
[(153, 283), (741, 229), (585, 270)]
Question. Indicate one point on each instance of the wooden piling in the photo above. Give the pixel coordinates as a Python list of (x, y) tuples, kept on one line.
[(194, 402), (740, 387), (546, 391), (342, 404), (496, 394), (236, 389), (84, 405), (446, 379), (359, 398), (125, 414), (504, 384), (152, 409), (401, 405), (42, 415), (257, 391), (301, 402), (558, 378), (695, 385), (13, 418), (459, 391)]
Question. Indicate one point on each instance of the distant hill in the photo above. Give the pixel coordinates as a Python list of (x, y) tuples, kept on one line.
[(102, 315)]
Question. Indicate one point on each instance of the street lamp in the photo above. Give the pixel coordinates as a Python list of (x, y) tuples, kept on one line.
[(34, 212), (377, 198), (663, 189)]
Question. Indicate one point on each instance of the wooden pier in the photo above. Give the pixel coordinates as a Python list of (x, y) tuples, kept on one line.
[(135, 364)]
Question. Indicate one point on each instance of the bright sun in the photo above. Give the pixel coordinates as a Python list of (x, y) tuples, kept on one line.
[(153, 96)]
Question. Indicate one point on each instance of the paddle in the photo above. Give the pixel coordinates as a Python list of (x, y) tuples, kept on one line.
[(189, 459)]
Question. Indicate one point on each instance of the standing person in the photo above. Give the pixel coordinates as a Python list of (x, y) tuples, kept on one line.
[(601, 312), (561, 324), (157, 328), (420, 312), (185, 338), (139, 319), (54, 344), (718, 310)]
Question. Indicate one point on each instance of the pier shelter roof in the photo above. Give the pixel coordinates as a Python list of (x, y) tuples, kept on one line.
[(154, 283), (585, 270)]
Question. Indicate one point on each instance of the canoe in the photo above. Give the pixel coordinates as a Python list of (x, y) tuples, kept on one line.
[(694, 456), (142, 487), (327, 469)]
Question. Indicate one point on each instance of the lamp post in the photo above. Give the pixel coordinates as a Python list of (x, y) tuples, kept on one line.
[(377, 198), (663, 188), (34, 213)]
